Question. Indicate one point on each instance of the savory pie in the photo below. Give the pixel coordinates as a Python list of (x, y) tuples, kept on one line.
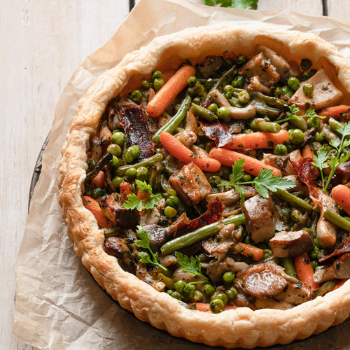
[(205, 184)]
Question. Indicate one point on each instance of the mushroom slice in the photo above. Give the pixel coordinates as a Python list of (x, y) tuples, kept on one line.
[(232, 196), (294, 293), (340, 269), (157, 236), (325, 94), (144, 275), (189, 134), (270, 303), (289, 244), (260, 217)]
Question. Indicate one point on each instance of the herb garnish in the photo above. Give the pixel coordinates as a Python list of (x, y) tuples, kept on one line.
[(263, 183), (140, 204), (237, 4), (145, 241), (294, 109), (191, 265)]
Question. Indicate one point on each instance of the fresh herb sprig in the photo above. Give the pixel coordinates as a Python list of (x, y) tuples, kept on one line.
[(191, 265), (263, 183), (320, 161), (294, 109), (144, 242), (140, 204), (237, 4)]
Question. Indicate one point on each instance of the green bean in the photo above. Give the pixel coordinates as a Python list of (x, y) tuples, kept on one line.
[(314, 220), (300, 124), (289, 267), (334, 124), (148, 162), (325, 288), (266, 110), (202, 233), (164, 184), (203, 81), (265, 126), (235, 102), (224, 80), (99, 166), (203, 112), (175, 121), (337, 220), (294, 200), (273, 101)]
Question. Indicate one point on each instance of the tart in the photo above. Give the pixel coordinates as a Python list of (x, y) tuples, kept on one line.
[(204, 184)]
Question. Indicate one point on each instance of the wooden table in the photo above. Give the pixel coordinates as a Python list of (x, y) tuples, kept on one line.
[(42, 42)]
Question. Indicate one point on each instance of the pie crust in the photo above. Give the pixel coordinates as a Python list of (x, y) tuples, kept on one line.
[(242, 327)]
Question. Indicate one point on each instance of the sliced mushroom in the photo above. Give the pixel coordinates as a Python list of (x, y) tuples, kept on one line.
[(325, 94), (255, 85), (235, 112), (189, 134), (232, 196), (340, 269), (168, 260), (294, 293), (270, 303), (105, 136), (260, 218), (210, 66), (96, 149), (289, 244), (157, 236), (180, 274), (144, 275)]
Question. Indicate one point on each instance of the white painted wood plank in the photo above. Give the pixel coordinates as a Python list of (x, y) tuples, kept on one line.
[(42, 43), (310, 7), (339, 9)]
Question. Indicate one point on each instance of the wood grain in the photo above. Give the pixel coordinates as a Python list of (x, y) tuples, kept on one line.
[(42, 42)]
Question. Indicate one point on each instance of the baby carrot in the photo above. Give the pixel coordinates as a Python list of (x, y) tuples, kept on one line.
[(181, 152), (250, 251), (98, 180), (258, 140), (251, 165), (169, 91), (305, 271), (92, 205), (166, 75), (125, 190), (341, 195), (334, 112)]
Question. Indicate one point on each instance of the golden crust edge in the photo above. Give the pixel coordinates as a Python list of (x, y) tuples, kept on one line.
[(230, 328)]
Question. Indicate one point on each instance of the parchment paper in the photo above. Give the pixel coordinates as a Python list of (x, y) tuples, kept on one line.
[(58, 304)]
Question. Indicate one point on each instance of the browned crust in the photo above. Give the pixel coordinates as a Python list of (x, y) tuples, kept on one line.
[(234, 328)]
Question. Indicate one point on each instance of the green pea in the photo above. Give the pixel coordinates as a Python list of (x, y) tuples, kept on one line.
[(305, 64), (188, 292), (228, 88), (317, 243), (172, 201), (219, 295), (296, 215), (228, 95), (308, 89), (243, 96), (176, 295), (199, 89), (223, 113), (170, 291), (131, 173), (142, 173), (209, 84), (114, 163), (232, 293), (197, 100), (135, 151), (238, 82), (305, 76), (179, 286), (98, 192), (314, 252), (192, 80), (170, 212), (226, 174), (285, 90), (248, 131), (247, 178), (247, 240), (213, 108), (157, 75), (217, 306), (293, 83), (297, 137), (314, 264), (136, 96), (280, 150), (267, 253), (114, 149), (278, 91), (313, 72), (241, 59), (214, 180), (118, 138), (145, 84), (127, 156), (171, 192), (209, 290), (321, 254), (158, 83), (117, 181), (313, 122), (92, 164), (197, 296), (228, 277), (285, 212), (320, 136)]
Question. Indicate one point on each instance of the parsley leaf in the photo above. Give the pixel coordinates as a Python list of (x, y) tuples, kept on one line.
[(294, 109), (191, 265), (237, 170), (320, 161), (140, 204), (144, 242), (238, 4)]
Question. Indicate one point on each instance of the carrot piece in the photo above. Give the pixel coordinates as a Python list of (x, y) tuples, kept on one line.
[(125, 190), (341, 195), (181, 152), (305, 271), (166, 75), (251, 165), (250, 251), (334, 112), (92, 205), (230, 55), (98, 180), (258, 140), (339, 284), (169, 91), (205, 307), (308, 152), (142, 195)]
